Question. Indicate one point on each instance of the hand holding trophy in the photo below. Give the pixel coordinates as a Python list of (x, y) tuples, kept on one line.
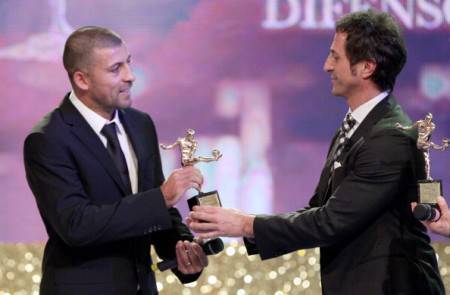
[(188, 147), (429, 189)]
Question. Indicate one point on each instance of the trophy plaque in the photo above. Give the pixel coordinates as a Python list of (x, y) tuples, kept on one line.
[(428, 189), (188, 147)]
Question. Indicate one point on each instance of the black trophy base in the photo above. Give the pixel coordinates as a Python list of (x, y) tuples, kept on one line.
[(429, 191), (208, 199)]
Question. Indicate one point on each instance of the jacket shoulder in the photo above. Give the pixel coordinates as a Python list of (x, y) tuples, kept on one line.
[(388, 124), (50, 125)]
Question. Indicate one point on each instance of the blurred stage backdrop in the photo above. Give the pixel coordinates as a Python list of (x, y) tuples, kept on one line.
[(245, 74)]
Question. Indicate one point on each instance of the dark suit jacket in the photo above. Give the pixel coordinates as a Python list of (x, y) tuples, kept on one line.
[(99, 233), (370, 242)]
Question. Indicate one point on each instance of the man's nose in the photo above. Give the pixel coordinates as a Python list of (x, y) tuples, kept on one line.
[(327, 66), (129, 76)]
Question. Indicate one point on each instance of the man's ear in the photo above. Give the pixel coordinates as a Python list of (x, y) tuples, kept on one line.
[(81, 80), (368, 68)]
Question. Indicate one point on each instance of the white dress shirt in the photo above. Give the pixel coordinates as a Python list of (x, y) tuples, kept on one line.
[(361, 112), (97, 122)]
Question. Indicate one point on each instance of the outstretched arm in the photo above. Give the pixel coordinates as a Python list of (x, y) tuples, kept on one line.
[(443, 147), (170, 146), (216, 155), (401, 127), (376, 177)]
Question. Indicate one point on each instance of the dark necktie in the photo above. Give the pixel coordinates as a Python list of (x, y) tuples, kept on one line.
[(114, 150), (343, 136)]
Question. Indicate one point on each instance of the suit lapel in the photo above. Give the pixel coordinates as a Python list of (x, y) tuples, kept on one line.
[(355, 142), (87, 136), (325, 176), (332, 149), (367, 124)]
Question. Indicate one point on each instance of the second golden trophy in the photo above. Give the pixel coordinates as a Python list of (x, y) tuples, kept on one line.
[(428, 189)]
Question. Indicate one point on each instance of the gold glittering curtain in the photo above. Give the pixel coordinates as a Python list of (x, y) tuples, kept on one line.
[(231, 272)]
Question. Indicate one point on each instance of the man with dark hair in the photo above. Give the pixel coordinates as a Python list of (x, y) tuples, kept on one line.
[(80, 44), (360, 213), (375, 37), (94, 167)]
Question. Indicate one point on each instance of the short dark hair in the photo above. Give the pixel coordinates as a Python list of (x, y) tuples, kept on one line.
[(81, 43), (375, 36)]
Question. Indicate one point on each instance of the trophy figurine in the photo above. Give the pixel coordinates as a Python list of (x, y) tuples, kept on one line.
[(428, 188), (188, 147)]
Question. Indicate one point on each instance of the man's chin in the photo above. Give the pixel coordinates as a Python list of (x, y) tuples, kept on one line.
[(336, 92), (125, 102)]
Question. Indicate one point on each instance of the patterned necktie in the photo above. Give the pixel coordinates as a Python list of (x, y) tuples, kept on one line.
[(343, 136), (114, 150)]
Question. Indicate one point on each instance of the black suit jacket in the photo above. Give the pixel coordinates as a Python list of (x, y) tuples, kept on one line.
[(370, 242), (99, 233)]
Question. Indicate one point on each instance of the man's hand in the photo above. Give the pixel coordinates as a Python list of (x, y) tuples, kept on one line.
[(211, 222), (442, 226), (190, 257), (179, 182)]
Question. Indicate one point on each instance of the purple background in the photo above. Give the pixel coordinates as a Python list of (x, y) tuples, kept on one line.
[(257, 93)]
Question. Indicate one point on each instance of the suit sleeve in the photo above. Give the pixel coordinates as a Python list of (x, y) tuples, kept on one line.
[(165, 242), (250, 244), (66, 208), (375, 179)]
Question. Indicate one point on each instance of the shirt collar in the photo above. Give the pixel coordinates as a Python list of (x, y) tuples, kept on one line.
[(361, 112), (94, 120)]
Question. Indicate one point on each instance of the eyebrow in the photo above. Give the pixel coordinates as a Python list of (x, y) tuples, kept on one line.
[(333, 52), (120, 62)]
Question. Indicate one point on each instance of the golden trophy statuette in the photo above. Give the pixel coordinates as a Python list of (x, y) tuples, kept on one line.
[(188, 147), (428, 189)]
